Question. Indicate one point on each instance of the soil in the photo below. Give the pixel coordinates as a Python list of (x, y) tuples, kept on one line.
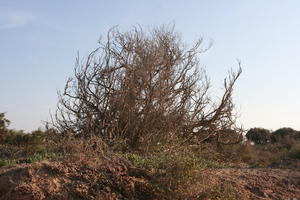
[(264, 183), (117, 180), (61, 180)]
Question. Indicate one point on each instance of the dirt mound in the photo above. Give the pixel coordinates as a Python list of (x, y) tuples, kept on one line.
[(252, 183), (115, 178), (60, 180)]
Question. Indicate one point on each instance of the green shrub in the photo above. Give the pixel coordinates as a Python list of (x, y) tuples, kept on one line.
[(258, 135), (284, 134), (3, 122), (294, 153)]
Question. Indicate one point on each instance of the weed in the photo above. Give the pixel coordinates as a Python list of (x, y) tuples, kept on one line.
[(7, 162), (224, 191)]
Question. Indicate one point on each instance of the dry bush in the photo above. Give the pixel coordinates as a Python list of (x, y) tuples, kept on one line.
[(144, 87), (86, 150)]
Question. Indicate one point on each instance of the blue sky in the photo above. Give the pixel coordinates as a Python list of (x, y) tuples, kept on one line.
[(39, 41)]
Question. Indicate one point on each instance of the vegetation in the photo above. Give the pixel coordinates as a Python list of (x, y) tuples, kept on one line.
[(3, 122), (271, 147), (284, 134), (258, 135), (144, 88), (140, 103)]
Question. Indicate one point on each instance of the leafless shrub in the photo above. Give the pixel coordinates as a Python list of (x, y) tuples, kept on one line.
[(144, 87)]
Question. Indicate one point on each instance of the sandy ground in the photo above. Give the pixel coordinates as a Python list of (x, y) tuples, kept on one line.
[(56, 180), (256, 183)]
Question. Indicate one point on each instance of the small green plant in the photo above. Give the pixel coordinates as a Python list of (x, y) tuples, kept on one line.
[(223, 191), (37, 157), (7, 162)]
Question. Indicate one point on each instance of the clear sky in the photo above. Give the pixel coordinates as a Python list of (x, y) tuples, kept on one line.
[(39, 41)]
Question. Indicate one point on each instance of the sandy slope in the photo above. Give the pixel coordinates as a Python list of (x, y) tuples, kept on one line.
[(56, 180), (115, 180), (261, 183)]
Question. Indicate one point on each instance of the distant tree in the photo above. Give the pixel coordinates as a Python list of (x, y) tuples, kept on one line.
[(3, 122), (258, 135), (143, 87), (298, 135), (284, 133)]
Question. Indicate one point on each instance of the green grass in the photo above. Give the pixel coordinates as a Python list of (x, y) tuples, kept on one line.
[(223, 191), (162, 160), (37, 157), (8, 162)]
